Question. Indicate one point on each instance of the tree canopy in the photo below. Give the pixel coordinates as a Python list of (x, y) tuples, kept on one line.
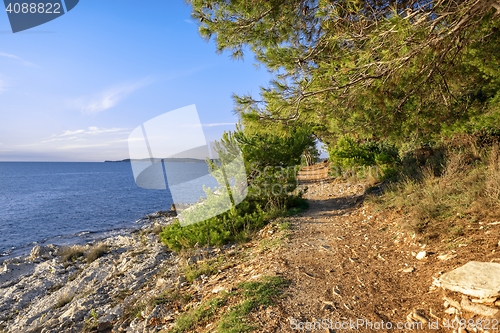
[(379, 69)]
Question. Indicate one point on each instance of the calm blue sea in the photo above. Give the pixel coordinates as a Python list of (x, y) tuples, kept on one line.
[(65, 203)]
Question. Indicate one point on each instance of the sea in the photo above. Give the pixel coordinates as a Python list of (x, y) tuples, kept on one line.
[(66, 203)]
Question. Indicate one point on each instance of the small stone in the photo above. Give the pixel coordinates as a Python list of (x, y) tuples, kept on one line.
[(490, 300), (479, 309), (218, 289), (446, 256), (417, 315), (409, 270), (452, 303), (347, 306), (160, 282), (421, 255), (104, 325), (44, 252), (451, 311), (327, 305)]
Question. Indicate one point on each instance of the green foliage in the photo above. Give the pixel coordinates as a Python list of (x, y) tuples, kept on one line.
[(272, 158), (203, 312), (234, 225), (271, 163), (349, 154), (406, 72), (247, 297), (255, 294)]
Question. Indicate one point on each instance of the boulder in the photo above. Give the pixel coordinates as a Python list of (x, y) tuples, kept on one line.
[(476, 279), (44, 252)]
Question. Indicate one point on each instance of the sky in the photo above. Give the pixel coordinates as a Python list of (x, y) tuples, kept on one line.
[(73, 89)]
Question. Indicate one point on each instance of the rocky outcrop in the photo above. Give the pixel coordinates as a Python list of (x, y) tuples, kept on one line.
[(136, 286), (44, 293)]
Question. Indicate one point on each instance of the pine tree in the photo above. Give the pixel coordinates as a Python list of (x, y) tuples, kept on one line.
[(397, 70)]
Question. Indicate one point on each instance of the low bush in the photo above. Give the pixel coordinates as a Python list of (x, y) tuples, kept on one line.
[(235, 225), (228, 213), (354, 158), (71, 253)]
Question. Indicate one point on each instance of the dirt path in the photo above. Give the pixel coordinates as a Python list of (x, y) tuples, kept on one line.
[(344, 267)]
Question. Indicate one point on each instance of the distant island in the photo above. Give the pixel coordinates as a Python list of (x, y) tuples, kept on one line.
[(171, 159)]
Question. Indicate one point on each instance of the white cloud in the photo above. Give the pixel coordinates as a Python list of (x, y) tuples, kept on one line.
[(188, 21), (84, 146), (112, 142), (108, 98), (218, 124), (89, 133), (17, 59)]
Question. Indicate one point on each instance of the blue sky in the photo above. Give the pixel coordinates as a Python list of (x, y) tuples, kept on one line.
[(74, 88)]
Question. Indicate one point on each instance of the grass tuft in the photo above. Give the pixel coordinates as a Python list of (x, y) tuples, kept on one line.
[(233, 308), (75, 252), (200, 314), (96, 251), (71, 253)]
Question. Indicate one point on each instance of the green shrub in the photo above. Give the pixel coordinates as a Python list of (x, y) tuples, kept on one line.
[(235, 225), (271, 166), (357, 157)]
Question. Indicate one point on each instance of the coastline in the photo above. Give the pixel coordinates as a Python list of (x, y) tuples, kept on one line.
[(138, 285), (83, 237), (33, 286)]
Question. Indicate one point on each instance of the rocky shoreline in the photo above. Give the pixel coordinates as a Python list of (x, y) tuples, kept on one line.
[(50, 292)]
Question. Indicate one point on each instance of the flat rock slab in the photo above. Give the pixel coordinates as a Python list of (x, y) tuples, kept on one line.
[(476, 279)]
